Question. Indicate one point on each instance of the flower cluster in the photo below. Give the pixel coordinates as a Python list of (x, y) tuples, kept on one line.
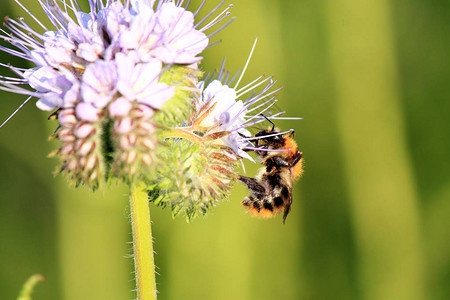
[(124, 83)]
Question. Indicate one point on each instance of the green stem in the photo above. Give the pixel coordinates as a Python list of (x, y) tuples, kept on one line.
[(142, 243)]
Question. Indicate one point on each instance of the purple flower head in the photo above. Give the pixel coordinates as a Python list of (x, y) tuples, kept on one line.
[(114, 76), (84, 57)]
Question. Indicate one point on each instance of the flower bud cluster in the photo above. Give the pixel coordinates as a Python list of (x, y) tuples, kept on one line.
[(135, 142), (199, 176), (81, 154)]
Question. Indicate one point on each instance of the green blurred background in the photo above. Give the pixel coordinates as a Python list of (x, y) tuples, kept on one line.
[(371, 215)]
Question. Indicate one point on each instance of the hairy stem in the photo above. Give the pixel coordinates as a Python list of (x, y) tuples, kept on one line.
[(142, 243)]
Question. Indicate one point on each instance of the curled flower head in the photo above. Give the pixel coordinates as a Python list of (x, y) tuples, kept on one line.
[(210, 145), (114, 75)]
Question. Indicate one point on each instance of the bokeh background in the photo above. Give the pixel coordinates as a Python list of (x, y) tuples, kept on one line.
[(371, 215)]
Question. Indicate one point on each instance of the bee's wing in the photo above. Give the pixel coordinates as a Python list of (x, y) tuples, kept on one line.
[(287, 208)]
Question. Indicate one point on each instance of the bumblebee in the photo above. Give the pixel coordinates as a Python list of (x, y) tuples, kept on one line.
[(272, 187)]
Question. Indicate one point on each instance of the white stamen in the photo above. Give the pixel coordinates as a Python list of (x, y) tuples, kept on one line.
[(266, 150), (221, 28), (55, 15), (264, 96), (253, 87), (209, 14), (261, 112), (221, 69), (218, 18), (199, 8), (249, 84), (19, 38), (261, 105), (9, 67), (24, 102), (286, 118), (246, 64), (31, 15)]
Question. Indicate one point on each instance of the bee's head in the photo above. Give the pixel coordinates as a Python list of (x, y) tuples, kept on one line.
[(271, 138)]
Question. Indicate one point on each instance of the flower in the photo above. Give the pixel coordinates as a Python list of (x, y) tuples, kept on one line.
[(139, 81), (168, 34), (121, 70), (220, 109)]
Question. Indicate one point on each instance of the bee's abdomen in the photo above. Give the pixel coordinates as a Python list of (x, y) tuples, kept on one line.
[(264, 206)]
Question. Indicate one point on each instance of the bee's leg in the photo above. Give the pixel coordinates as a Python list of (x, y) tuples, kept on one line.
[(287, 209), (243, 135), (277, 162), (292, 134), (252, 184), (263, 152), (296, 159)]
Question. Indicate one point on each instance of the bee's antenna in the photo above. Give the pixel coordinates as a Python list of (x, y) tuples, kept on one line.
[(267, 135), (268, 120)]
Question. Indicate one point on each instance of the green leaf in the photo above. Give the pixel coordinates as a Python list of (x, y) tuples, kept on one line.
[(28, 287)]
